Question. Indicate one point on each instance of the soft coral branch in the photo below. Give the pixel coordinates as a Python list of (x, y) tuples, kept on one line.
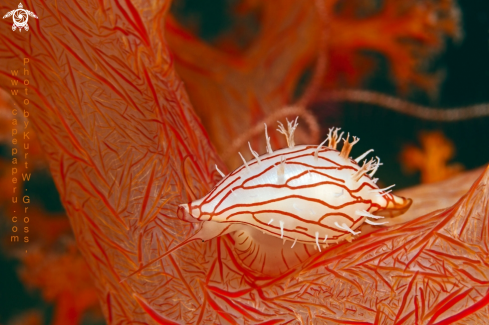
[(234, 92), (113, 140), (118, 131), (406, 33)]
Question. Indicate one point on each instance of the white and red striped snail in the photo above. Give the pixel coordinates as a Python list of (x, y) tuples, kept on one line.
[(308, 195), (314, 195)]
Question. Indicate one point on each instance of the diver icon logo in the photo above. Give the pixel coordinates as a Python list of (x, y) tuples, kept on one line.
[(20, 17)]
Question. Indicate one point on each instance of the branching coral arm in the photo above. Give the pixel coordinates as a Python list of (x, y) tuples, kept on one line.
[(123, 143)]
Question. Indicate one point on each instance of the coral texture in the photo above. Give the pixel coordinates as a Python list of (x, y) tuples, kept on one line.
[(125, 148)]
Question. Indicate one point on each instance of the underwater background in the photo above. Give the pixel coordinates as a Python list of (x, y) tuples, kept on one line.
[(53, 285)]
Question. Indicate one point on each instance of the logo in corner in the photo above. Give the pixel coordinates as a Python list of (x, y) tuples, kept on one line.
[(20, 17)]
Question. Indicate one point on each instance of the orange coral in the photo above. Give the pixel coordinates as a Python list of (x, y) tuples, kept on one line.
[(63, 279), (46, 228), (31, 317), (125, 148), (231, 91), (7, 123), (432, 159), (405, 32), (5, 117)]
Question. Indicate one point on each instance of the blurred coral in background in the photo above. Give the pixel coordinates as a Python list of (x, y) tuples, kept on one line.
[(64, 280), (265, 60), (52, 265), (235, 81), (432, 159)]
